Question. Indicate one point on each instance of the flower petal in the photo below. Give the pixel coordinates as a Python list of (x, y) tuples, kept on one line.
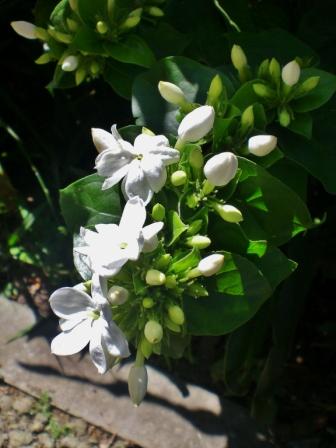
[(133, 217), (155, 172), (99, 353), (151, 230), (136, 184), (73, 341), (115, 340), (69, 324), (110, 164), (68, 302), (99, 289), (104, 140), (157, 145)]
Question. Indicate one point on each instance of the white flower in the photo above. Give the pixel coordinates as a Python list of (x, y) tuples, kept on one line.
[(112, 245), (229, 213), (261, 145), (196, 124), (88, 320), (70, 63), (211, 264), (291, 73), (143, 166), (24, 29), (221, 168)]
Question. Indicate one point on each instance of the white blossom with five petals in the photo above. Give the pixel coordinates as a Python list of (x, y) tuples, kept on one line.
[(86, 319), (111, 246), (142, 166)]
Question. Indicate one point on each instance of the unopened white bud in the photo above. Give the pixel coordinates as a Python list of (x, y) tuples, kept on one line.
[(196, 124), (137, 383), (24, 29), (150, 244), (198, 241), (178, 178), (291, 73), (155, 278), (221, 168), (117, 295), (70, 63), (171, 93), (229, 213), (261, 145), (211, 265)]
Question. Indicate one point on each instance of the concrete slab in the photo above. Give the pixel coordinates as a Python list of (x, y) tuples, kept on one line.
[(173, 415)]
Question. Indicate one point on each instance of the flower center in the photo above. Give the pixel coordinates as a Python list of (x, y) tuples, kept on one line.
[(123, 245), (139, 156), (95, 314)]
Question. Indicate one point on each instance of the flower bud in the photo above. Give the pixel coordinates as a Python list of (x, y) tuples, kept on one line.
[(150, 244), (196, 159), (215, 90), (261, 145), (74, 5), (176, 314), (70, 63), (155, 277), (195, 227), (263, 91), (137, 383), (101, 27), (263, 69), (153, 331), (197, 290), (198, 241), (221, 168), (178, 178), (247, 118), (148, 303), (284, 117), (171, 325), (64, 38), (43, 59), (94, 68), (211, 265), (24, 29), (196, 124), (291, 73), (229, 213), (171, 282), (238, 57), (154, 11), (171, 93), (80, 75), (117, 295), (275, 70), (158, 212), (163, 261), (307, 85)]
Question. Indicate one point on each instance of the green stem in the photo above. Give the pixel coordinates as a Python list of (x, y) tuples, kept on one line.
[(227, 17)]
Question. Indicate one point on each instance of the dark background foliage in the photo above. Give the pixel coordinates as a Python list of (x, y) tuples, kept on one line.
[(280, 363)]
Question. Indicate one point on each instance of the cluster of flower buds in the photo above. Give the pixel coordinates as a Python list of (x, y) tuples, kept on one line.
[(69, 28)]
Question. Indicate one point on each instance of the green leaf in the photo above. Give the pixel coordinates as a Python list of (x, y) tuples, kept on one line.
[(245, 95), (83, 203), (322, 93), (121, 76), (151, 110), (231, 237), (131, 50), (59, 14), (242, 289), (88, 40), (275, 266), (190, 260), (302, 125), (176, 227), (92, 11), (318, 159), (271, 210)]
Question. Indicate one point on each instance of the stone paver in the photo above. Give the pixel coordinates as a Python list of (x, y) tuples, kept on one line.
[(166, 419)]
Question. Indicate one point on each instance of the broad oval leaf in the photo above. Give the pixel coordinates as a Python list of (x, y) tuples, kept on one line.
[(271, 210), (131, 50), (241, 290), (83, 203)]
